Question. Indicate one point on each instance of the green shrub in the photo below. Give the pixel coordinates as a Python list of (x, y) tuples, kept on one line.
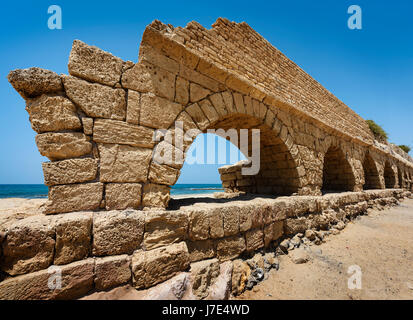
[(405, 148), (378, 131)]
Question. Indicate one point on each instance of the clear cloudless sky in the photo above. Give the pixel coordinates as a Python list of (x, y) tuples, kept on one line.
[(371, 70)]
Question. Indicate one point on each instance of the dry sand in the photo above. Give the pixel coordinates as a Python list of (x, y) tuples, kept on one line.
[(381, 243)]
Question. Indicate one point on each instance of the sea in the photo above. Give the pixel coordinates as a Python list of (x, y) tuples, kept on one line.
[(39, 191)]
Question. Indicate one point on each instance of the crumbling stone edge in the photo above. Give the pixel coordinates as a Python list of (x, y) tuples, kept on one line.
[(98, 251)]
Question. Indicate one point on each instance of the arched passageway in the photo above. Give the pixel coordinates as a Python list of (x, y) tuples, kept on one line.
[(277, 174), (389, 176), (400, 178), (337, 172), (371, 174)]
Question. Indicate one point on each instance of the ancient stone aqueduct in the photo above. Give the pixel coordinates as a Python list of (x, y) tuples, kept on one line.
[(97, 127)]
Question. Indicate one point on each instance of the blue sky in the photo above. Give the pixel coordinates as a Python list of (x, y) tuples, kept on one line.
[(371, 70)]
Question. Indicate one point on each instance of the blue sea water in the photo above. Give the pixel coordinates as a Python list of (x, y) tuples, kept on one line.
[(38, 191)]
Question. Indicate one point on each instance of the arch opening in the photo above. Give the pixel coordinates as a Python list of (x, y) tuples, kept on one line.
[(400, 178), (277, 174), (371, 174), (337, 172), (389, 176)]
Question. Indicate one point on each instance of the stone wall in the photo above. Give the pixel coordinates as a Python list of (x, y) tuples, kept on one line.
[(97, 251), (97, 125)]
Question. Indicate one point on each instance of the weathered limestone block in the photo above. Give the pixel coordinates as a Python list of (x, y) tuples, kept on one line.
[(74, 197), (240, 275), (294, 226), (59, 146), (201, 250), (69, 171), (145, 77), (155, 266), (29, 245), (113, 131), (112, 271), (155, 195), (198, 116), (96, 100), (230, 247), (164, 228), (216, 223), (182, 91), (231, 220), (209, 110), (163, 174), (203, 275), (73, 237), (134, 107), (93, 64), (273, 232), (120, 196), (122, 163), (199, 222), (77, 280), (34, 82), (53, 113), (157, 112), (117, 232), (254, 239), (196, 92), (87, 126)]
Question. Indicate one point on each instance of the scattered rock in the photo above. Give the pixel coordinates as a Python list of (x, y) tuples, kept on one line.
[(203, 275), (340, 225), (310, 235), (299, 256)]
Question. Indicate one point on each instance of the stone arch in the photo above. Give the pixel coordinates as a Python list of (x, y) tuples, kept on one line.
[(279, 172), (337, 172), (371, 173), (389, 175)]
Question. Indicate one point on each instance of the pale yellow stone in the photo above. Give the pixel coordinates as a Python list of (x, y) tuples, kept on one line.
[(53, 113), (94, 64), (121, 163), (74, 197), (119, 132), (157, 112), (155, 195), (69, 171), (96, 100), (134, 107), (58, 146), (121, 196)]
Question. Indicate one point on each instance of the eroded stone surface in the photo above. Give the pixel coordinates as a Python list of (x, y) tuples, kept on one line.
[(34, 82), (69, 171), (53, 113), (73, 237), (117, 232), (59, 146), (96, 100), (94, 64), (75, 197), (154, 266), (29, 245), (121, 196), (122, 163), (163, 228), (112, 271), (76, 281)]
